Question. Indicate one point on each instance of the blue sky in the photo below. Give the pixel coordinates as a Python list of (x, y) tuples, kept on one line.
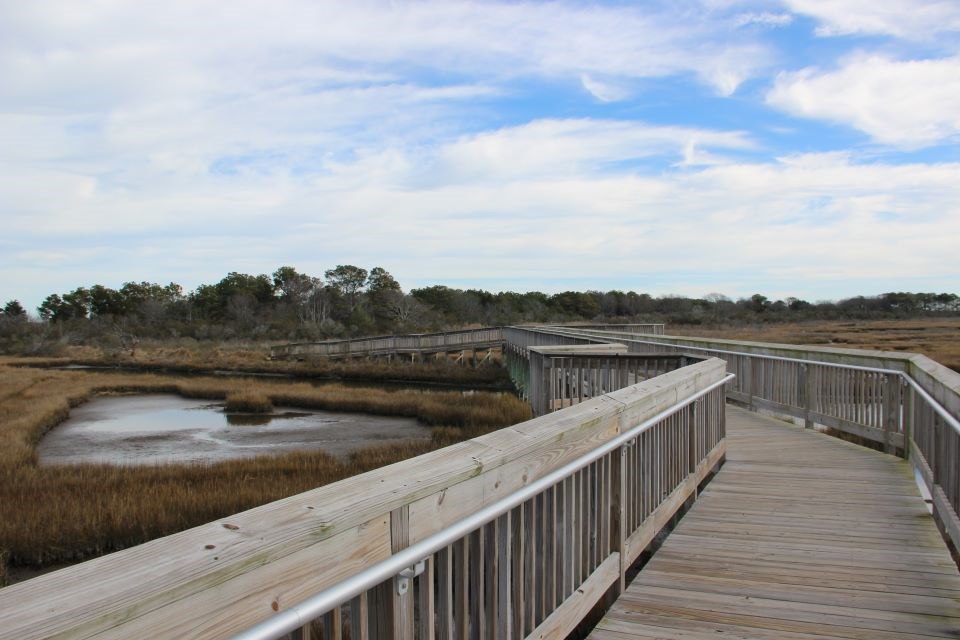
[(793, 147)]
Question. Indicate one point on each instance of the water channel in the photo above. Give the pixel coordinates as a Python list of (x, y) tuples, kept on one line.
[(162, 428)]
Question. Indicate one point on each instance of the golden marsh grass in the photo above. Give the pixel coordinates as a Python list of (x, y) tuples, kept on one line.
[(248, 401), (937, 338), (64, 514)]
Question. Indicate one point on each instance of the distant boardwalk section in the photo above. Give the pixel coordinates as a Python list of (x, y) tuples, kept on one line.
[(413, 346), (478, 344)]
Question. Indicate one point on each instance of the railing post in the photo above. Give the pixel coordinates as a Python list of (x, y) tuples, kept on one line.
[(806, 387), (692, 441), (906, 416), (891, 406), (618, 534), (748, 380), (391, 612)]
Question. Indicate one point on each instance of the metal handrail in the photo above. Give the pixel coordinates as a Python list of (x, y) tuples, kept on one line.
[(934, 404), (313, 607)]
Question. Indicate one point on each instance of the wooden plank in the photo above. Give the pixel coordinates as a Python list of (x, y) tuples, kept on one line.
[(444, 604), (399, 540), (477, 608), (425, 618), (462, 580), (359, 618), (575, 607), (800, 535), (660, 517), (505, 591)]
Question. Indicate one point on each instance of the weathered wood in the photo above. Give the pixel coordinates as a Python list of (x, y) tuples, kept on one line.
[(333, 625), (444, 602), (461, 602), (799, 536), (359, 618), (426, 603), (394, 615), (639, 539), (573, 609), (505, 591), (477, 608)]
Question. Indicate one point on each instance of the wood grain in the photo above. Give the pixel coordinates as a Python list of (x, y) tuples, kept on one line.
[(800, 536)]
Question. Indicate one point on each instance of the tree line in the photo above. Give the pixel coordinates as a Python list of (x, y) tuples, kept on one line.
[(352, 301)]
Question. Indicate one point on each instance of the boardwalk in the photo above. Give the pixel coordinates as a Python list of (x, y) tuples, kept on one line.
[(800, 536)]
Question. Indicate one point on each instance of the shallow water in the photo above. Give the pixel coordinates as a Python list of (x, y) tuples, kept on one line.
[(160, 428)]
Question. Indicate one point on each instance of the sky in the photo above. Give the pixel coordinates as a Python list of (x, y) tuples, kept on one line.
[(806, 148)]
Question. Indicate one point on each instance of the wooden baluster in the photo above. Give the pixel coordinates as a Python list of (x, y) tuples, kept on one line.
[(425, 602), (618, 490), (444, 610), (359, 621), (478, 630), (505, 583)]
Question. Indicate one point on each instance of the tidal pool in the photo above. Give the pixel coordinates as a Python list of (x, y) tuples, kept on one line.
[(159, 428)]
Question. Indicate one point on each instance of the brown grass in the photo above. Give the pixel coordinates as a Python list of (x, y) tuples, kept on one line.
[(248, 401), (937, 338), (205, 358), (62, 514)]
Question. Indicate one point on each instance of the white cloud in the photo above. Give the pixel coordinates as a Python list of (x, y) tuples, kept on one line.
[(910, 19), (570, 148), (763, 19), (908, 104), (603, 91)]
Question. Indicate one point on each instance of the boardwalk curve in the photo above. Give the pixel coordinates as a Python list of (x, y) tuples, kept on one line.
[(800, 536)]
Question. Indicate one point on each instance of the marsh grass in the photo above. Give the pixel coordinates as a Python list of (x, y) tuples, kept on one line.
[(251, 358), (60, 514), (933, 337), (248, 401)]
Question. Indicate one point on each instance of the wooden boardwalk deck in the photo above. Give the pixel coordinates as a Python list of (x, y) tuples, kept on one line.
[(800, 536)]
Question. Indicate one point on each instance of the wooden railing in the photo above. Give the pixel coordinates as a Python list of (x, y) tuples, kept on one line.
[(417, 342), (650, 329), (520, 533), (564, 376), (564, 370), (907, 402)]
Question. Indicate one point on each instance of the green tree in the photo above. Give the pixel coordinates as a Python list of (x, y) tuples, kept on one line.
[(13, 309), (577, 304), (106, 302), (347, 281), (290, 285), (78, 302), (759, 303), (383, 292), (51, 309)]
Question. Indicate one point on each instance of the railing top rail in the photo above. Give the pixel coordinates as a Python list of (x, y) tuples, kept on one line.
[(310, 609), (934, 404), (608, 349), (337, 341), (764, 355)]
